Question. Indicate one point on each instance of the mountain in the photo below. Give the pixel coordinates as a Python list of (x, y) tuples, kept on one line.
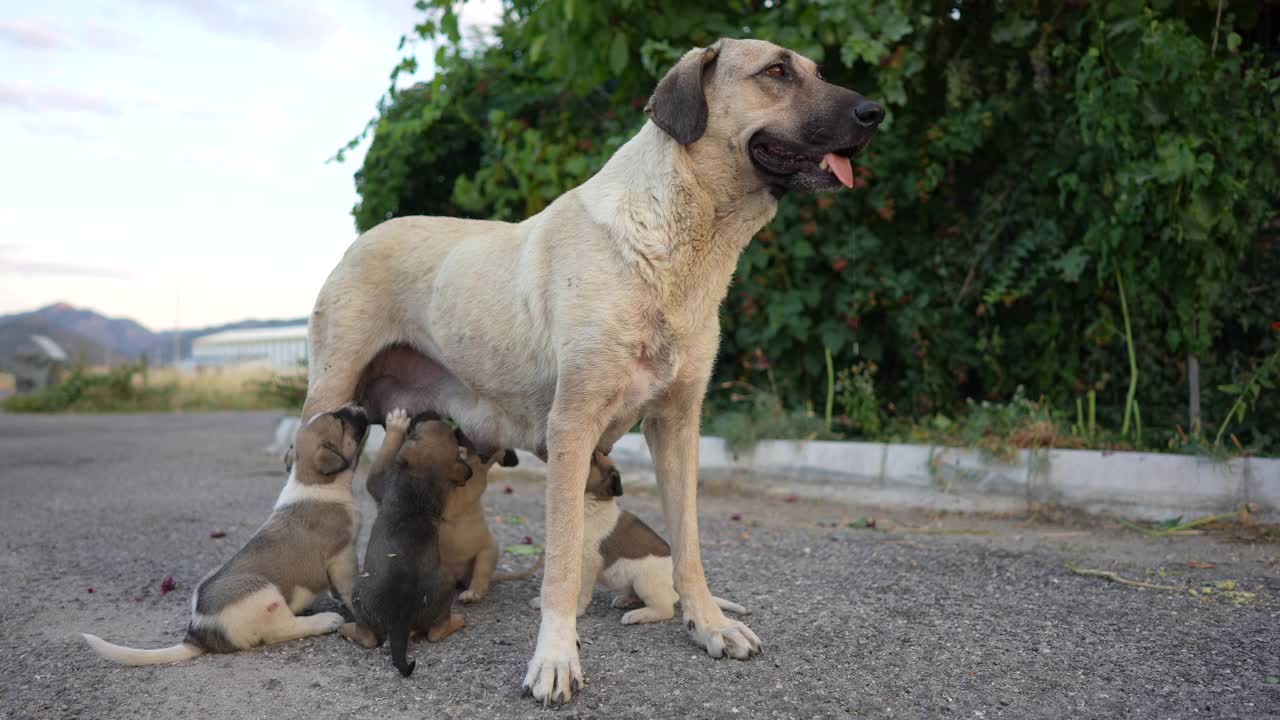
[(104, 340), (121, 335), (17, 329)]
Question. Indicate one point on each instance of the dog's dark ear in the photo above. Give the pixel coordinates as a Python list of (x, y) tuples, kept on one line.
[(289, 456), (615, 482), (354, 416), (679, 104), (509, 459)]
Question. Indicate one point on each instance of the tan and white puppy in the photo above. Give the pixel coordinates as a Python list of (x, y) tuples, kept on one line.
[(468, 550), (307, 546), (621, 552)]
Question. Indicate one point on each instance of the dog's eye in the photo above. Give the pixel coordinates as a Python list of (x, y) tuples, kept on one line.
[(777, 72)]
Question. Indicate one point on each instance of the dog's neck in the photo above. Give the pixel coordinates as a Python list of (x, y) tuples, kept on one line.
[(673, 216)]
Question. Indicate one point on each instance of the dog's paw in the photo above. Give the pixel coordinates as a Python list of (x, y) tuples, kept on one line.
[(397, 420), (330, 621), (469, 596), (554, 672), (722, 636), (359, 635)]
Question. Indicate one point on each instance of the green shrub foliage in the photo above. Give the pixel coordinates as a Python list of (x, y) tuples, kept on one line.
[(1037, 157)]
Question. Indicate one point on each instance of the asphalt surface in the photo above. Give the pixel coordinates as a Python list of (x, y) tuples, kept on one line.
[(922, 617)]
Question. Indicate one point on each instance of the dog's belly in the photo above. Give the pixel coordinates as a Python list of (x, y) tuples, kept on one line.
[(400, 376)]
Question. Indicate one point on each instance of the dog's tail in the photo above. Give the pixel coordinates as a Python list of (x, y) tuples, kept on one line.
[(732, 607), (399, 638), (523, 575), (134, 656)]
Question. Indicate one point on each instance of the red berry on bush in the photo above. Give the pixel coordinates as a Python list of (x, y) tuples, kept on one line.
[(839, 264)]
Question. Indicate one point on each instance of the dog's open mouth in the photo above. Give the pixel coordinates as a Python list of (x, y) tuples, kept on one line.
[(783, 159)]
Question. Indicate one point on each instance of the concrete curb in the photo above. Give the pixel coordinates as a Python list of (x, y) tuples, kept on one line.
[(1142, 485)]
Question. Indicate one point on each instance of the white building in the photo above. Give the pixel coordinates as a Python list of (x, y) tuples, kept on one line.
[(280, 348)]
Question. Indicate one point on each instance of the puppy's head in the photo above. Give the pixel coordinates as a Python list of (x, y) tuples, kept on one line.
[(604, 482), (328, 445), (433, 446)]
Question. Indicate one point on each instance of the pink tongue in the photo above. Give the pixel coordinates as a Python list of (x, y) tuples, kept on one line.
[(841, 167)]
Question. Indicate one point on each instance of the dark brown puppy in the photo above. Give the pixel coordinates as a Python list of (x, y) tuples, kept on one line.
[(403, 586)]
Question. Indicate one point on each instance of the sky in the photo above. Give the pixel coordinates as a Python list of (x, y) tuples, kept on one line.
[(165, 160)]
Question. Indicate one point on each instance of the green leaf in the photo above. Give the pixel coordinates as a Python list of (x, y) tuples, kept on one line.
[(618, 53), (522, 549), (568, 10), (535, 47)]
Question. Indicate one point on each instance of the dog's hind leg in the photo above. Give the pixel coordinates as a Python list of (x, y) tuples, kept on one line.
[(446, 627), (342, 575), (293, 627), (653, 587)]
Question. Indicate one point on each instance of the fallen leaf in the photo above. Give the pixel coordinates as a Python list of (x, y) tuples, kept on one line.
[(522, 549), (217, 534), (508, 490), (735, 517), (137, 599), (527, 540), (791, 498), (1201, 565), (167, 585), (1225, 584), (90, 591)]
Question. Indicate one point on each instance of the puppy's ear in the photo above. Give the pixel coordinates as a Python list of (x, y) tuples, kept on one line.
[(328, 461), (289, 456), (509, 459), (354, 417), (615, 482), (679, 103)]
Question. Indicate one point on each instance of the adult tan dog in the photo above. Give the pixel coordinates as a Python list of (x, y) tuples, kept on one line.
[(558, 333)]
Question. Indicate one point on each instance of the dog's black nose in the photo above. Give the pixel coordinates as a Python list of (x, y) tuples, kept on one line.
[(868, 113)]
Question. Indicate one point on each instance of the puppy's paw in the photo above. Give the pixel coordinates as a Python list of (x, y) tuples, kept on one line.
[(330, 621), (359, 635), (721, 636), (469, 596), (397, 421), (645, 615), (554, 673)]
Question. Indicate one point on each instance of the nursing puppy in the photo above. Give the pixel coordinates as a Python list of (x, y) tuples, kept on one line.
[(403, 586), (307, 546), (625, 555), (467, 548)]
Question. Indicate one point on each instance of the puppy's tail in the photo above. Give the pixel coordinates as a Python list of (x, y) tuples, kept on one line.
[(732, 607), (399, 638), (523, 575), (134, 656)]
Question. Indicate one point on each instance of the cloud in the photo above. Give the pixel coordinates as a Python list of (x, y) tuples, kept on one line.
[(37, 267), (31, 34), (55, 128), (38, 100), (290, 24)]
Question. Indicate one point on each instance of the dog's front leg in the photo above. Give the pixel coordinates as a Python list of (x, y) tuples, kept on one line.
[(573, 429), (672, 435)]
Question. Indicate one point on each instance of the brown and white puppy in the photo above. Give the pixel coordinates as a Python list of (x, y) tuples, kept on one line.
[(467, 548), (625, 555), (307, 546), (403, 586)]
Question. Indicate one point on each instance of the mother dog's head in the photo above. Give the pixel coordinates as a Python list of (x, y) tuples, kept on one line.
[(785, 126)]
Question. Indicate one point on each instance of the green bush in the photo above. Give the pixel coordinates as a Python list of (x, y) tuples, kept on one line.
[(1066, 197)]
